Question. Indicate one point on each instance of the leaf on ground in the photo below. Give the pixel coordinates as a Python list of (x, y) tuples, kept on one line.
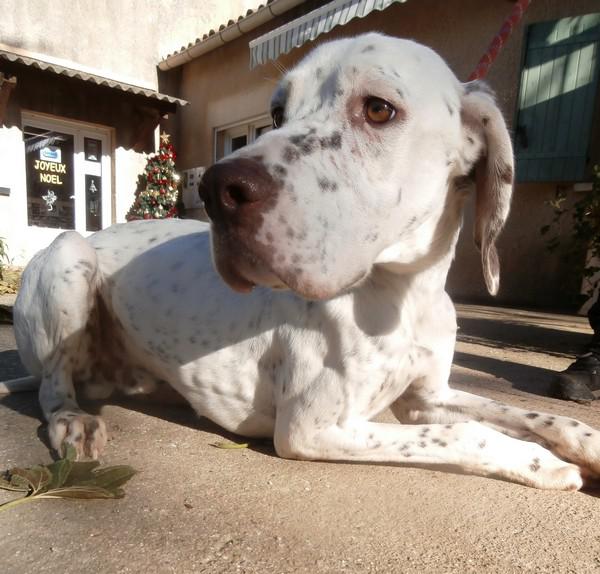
[(36, 477), (66, 478), (109, 478), (60, 471), (70, 451), (81, 471), (230, 445), (83, 492), (8, 483)]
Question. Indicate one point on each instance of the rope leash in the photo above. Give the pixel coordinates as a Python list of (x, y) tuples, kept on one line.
[(499, 40)]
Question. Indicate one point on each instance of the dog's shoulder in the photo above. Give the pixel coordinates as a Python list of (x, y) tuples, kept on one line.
[(118, 245)]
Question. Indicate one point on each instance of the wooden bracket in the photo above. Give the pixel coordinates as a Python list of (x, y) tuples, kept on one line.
[(147, 123), (7, 85)]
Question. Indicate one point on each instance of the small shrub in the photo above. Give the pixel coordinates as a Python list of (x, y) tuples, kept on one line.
[(585, 216), (10, 277), (4, 261)]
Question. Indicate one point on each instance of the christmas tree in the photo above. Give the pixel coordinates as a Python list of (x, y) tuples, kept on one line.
[(159, 198)]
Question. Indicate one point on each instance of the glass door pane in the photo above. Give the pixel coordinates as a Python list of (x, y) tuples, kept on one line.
[(50, 178), (238, 142), (92, 169)]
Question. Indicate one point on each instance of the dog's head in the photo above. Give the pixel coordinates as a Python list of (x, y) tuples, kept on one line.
[(376, 141)]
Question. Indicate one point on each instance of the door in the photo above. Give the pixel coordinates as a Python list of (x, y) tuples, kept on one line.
[(68, 174), (557, 97)]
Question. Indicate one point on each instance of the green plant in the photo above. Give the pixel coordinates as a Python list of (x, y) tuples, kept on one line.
[(585, 234), (4, 260), (65, 478)]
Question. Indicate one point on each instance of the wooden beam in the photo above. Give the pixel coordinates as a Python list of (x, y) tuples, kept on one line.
[(148, 122), (7, 85)]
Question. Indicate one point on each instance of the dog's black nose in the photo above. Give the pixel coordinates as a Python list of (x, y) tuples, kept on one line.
[(236, 186)]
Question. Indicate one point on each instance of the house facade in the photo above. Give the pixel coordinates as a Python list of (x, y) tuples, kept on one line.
[(546, 81), (81, 100), (80, 106)]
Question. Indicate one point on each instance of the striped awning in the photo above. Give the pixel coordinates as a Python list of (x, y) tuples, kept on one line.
[(306, 28), (56, 66)]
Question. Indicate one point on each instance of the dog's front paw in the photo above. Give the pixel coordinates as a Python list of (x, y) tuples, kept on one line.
[(87, 433)]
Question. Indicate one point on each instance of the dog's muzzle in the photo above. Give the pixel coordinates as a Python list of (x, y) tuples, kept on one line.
[(236, 194)]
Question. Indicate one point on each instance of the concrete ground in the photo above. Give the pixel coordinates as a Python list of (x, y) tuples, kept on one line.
[(194, 508)]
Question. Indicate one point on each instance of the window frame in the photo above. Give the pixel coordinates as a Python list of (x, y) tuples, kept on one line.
[(80, 132), (247, 127)]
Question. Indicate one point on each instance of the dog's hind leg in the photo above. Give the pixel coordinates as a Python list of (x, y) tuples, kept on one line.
[(52, 311), (567, 438), (468, 447)]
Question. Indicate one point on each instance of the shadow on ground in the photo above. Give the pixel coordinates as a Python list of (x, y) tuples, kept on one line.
[(526, 378), (526, 337), (11, 366)]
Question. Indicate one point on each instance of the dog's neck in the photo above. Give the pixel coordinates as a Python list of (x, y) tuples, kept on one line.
[(436, 255)]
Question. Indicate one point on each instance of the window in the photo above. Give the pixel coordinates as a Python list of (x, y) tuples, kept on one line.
[(557, 97), (50, 178), (68, 174), (235, 137)]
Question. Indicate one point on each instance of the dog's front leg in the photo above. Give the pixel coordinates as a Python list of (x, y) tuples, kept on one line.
[(470, 448), (67, 423), (52, 313), (568, 438)]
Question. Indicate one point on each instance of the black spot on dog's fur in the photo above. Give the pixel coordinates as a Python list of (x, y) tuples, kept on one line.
[(327, 185), (506, 174), (279, 170), (290, 154), (334, 141)]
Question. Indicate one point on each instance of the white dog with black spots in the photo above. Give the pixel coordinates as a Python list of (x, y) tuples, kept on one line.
[(335, 233)]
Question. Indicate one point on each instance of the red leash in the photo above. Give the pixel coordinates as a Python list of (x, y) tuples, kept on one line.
[(499, 40)]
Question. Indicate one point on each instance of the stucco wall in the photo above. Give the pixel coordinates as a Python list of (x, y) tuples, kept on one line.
[(122, 40), (222, 90), (125, 39)]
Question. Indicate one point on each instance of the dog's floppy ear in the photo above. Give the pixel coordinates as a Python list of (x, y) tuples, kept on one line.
[(487, 155)]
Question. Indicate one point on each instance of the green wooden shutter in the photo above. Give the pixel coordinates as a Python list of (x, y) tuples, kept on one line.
[(557, 97)]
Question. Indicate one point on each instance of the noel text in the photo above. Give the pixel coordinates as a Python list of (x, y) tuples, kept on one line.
[(50, 166)]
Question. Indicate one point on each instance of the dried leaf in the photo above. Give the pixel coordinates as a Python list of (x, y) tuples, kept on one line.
[(230, 445), (110, 478), (60, 471), (37, 477), (81, 471), (84, 492), (70, 451), (66, 478), (8, 484)]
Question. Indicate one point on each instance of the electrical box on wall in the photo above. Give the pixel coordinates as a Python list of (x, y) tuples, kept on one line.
[(191, 179)]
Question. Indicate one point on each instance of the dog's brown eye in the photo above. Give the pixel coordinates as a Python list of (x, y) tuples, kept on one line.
[(277, 115), (379, 111)]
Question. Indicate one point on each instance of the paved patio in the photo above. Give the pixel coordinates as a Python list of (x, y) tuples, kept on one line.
[(194, 508)]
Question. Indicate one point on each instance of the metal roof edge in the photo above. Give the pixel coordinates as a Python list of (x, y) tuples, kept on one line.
[(225, 34), (74, 66), (59, 67)]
